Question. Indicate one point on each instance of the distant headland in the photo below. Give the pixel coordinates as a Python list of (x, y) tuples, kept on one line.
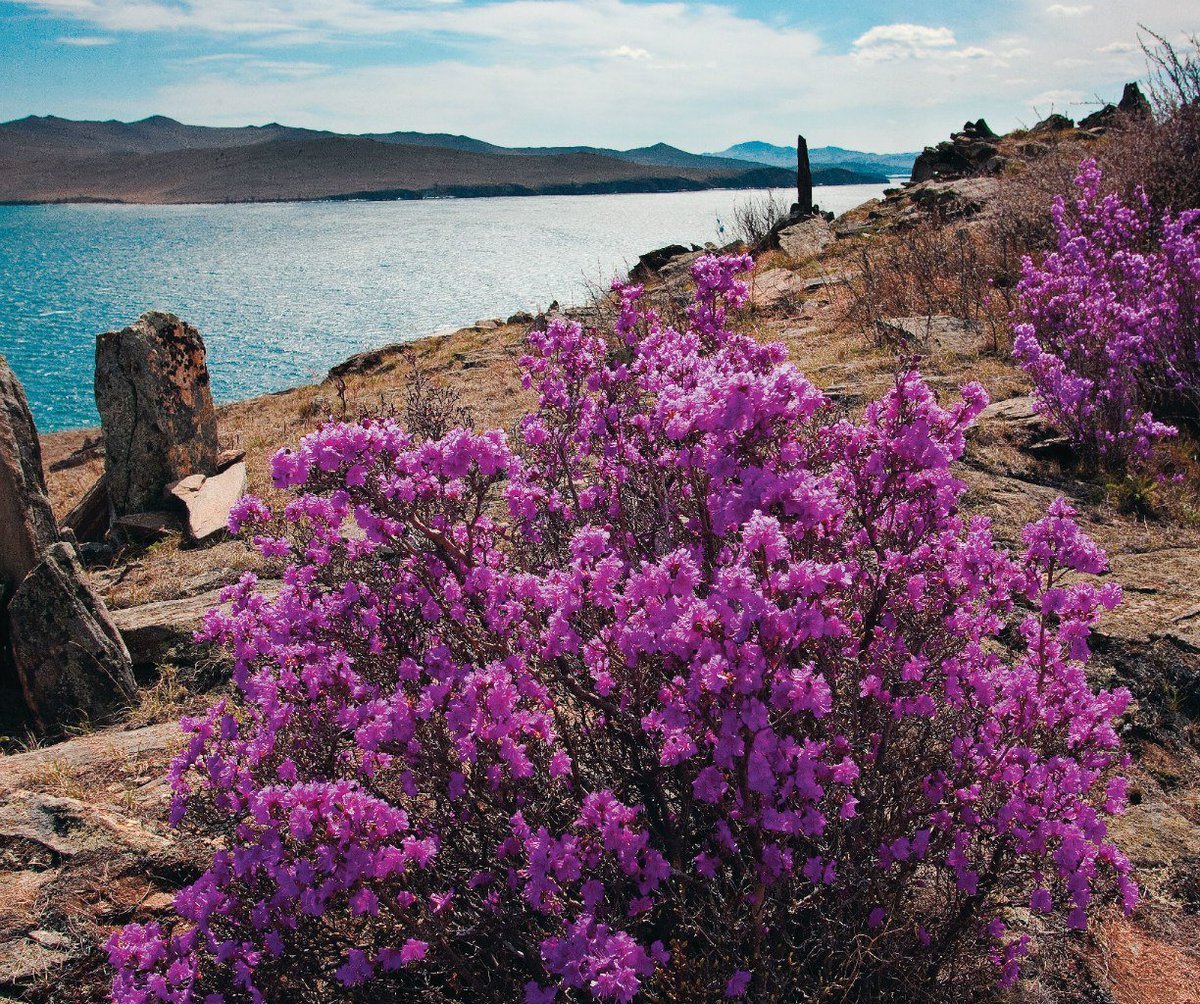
[(157, 160)]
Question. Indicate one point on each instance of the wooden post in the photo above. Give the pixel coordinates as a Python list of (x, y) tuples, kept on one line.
[(804, 193)]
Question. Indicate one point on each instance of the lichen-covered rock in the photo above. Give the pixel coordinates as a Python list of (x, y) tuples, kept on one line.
[(70, 658), (807, 238), (152, 630), (27, 524), (155, 404)]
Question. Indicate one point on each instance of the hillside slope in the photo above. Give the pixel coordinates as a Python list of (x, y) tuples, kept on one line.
[(342, 167), (50, 159)]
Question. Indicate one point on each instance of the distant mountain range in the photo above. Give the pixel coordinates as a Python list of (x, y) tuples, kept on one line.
[(821, 156), (160, 160)]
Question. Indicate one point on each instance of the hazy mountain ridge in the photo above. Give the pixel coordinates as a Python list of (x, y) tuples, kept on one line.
[(785, 156), (51, 159)]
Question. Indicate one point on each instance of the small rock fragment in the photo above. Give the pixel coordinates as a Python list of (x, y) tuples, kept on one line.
[(209, 499)]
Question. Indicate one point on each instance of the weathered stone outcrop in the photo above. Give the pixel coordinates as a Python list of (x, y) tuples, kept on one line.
[(69, 656), (151, 631), (1054, 122), (973, 150), (807, 238), (380, 360), (155, 404), (653, 261), (1133, 102), (27, 524), (1132, 106)]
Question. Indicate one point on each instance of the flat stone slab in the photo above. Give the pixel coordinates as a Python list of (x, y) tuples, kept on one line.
[(209, 499), (776, 287), (936, 332), (807, 238), (1014, 409), (151, 630), (152, 744), (150, 526)]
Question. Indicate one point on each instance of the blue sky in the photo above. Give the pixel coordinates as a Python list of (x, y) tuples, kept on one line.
[(880, 76)]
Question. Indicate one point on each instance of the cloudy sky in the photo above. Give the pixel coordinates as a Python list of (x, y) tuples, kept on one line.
[(887, 75)]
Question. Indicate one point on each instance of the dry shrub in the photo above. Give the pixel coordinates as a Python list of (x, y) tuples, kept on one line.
[(1161, 153), (936, 267), (754, 218)]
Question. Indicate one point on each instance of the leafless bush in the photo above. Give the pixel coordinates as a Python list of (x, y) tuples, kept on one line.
[(1161, 153), (964, 270), (754, 218), (431, 409)]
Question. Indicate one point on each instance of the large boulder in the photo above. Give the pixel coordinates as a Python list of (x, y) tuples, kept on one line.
[(71, 661), (156, 408), (27, 524), (1133, 102)]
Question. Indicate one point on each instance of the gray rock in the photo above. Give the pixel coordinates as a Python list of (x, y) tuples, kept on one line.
[(935, 333), (776, 288), (152, 630), (208, 500), (27, 525), (1013, 409), (156, 409), (807, 238), (92, 515), (69, 656)]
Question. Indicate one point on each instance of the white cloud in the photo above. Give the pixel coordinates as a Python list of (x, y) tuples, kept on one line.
[(902, 41), (1068, 10), (86, 41), (612, 72), (627, 52), (1055, 100)]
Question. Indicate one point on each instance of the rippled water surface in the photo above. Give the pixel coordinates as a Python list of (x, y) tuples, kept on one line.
[(282, 291)]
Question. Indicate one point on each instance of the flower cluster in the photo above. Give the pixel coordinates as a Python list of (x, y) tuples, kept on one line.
[(695, 691), (1111, 322)]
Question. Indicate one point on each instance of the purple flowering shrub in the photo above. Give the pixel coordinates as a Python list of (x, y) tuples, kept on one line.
[(693, 692), (1111, 330)]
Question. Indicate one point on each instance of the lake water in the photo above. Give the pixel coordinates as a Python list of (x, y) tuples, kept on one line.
[(283, 291)]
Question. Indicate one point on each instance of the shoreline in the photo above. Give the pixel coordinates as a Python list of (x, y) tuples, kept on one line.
[(451, 194), (416, 341)]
